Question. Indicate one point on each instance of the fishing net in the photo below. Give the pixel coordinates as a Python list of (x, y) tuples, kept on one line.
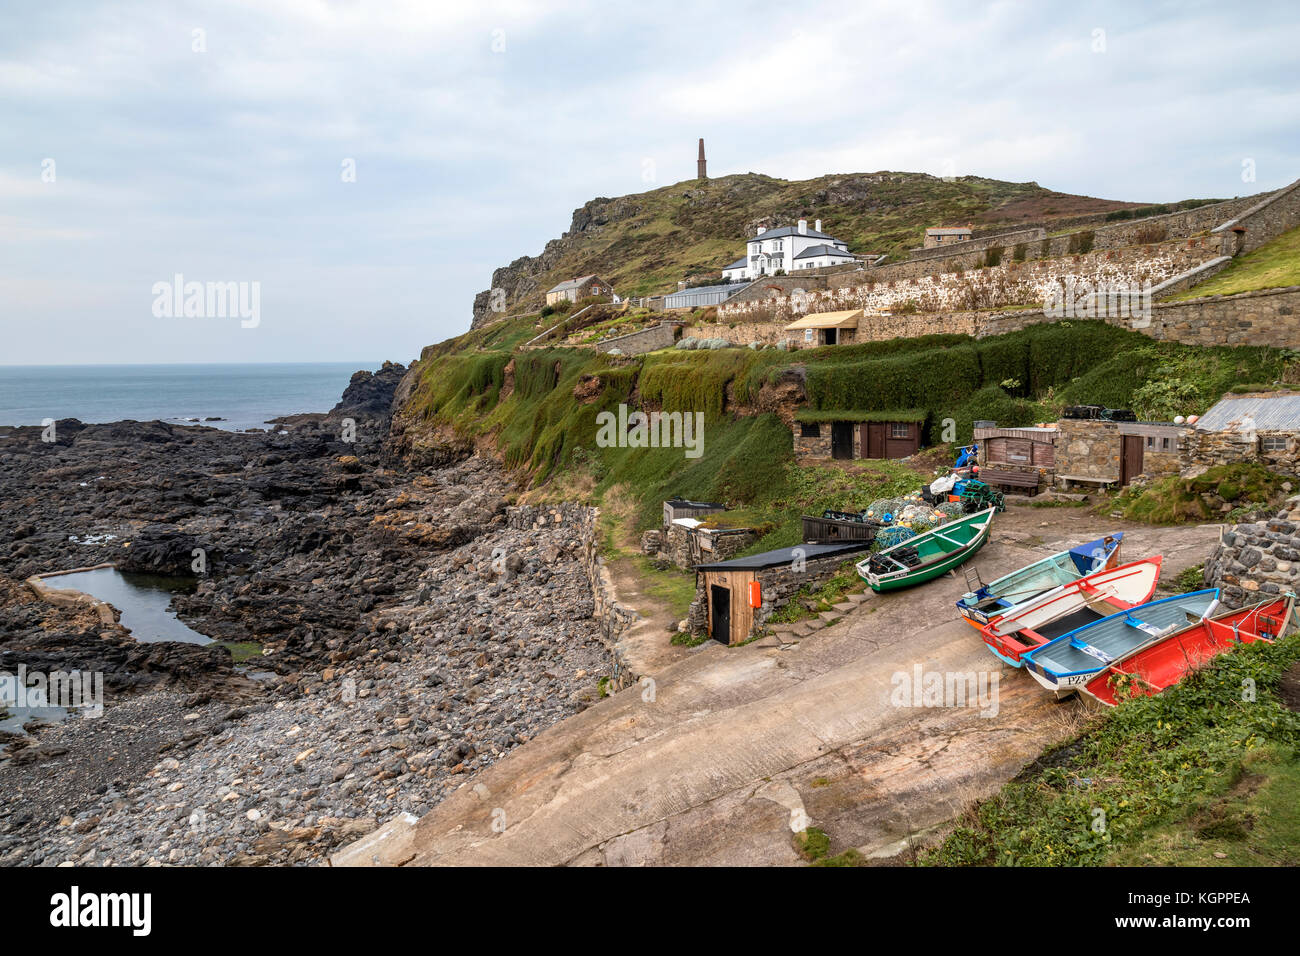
[(950, 510), (888, 537), (878, 509)]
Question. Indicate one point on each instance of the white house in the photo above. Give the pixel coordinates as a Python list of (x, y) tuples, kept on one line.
[(788, 249)]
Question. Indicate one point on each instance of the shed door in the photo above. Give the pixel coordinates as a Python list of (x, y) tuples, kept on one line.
[(873, 440), (841, 439), (1130, 460), (720, 599)]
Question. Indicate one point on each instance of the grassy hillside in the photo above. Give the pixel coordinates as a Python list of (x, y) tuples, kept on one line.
[(645, 243), (1273, 265), (540, 407)]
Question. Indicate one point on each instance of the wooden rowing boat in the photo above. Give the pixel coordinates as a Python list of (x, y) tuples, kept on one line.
[(926, 556), (1162, 662), (1067, 663), (992, 600), (1058, 612)]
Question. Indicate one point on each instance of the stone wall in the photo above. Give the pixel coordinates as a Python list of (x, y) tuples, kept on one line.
[(1203, 450), (1267, 317), (662, 336), (1255, 562), (1011, 283), (614, 619), (1263, 221), (1088, 449)]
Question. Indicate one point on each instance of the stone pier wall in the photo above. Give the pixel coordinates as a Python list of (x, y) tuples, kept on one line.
[(1259, 561)]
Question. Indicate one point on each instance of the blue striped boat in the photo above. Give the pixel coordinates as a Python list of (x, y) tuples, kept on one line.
[(1071, 660)]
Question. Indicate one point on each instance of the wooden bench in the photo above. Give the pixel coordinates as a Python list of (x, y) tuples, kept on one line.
[(1008, 479), (1068, 480)]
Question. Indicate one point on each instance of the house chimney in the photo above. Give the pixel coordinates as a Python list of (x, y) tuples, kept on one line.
[(817, 226), (803, 227), (761, 230), (681, 285)]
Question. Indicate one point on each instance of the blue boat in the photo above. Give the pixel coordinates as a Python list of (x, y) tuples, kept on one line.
[(990, 601), (1071, 660)]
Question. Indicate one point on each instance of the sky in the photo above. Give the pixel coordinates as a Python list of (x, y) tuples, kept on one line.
[(362, 168)]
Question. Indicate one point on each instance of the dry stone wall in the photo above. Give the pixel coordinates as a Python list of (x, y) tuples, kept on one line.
[(1258, 561)]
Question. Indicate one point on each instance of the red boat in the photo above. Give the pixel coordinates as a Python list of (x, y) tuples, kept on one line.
[(1165, 661)]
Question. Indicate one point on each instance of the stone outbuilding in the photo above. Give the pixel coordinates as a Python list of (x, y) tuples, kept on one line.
[(848, 434), (1100, 453), (1255, 426)]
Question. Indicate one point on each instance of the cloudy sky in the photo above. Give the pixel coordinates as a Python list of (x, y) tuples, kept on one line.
[(214, 140)]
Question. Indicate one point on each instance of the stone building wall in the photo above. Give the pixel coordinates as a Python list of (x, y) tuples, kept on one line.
[(662, 336), (1265, 220), (1258, 561), (1088, 449)]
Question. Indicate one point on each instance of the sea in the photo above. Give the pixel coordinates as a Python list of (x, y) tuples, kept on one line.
[(241, 396)]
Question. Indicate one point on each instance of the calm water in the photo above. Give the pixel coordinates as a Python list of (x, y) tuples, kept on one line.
[(245, 395), (143, 599)]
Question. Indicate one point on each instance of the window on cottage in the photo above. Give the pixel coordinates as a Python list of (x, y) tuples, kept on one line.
[(900, 430), (1274, 443), (810, 430)]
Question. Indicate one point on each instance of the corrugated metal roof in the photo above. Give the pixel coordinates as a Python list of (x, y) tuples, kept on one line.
[(729, 289), (1269, 413), (848, 319), (771, 559)]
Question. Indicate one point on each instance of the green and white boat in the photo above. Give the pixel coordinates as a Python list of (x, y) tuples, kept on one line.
[(925, 556)]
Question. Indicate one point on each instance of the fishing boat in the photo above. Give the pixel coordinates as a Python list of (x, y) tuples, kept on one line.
[(1067, 663), (989, 601), (1060, 611), (925, 556), (1162, 662)]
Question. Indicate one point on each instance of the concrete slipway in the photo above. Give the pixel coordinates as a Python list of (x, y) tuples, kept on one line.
[(734, 748)]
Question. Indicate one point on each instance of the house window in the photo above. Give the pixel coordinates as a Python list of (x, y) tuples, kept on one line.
[(900, 430), (810, 430), (1272, 443)]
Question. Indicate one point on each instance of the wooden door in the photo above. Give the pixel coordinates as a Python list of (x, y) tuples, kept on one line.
[(1130, 458), (873, 440), (720, 626)]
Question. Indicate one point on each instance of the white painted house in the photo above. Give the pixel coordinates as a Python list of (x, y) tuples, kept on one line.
[(788, 249)]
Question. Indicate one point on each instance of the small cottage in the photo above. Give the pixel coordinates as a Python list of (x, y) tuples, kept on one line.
[(851, 434), (946, 235), (580, 288), (826, 328), (734, 597)]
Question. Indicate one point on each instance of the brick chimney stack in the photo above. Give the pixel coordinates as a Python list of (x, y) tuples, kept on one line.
[(701, 164)]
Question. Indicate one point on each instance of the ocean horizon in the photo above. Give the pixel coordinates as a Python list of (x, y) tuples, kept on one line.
[(232, 396)]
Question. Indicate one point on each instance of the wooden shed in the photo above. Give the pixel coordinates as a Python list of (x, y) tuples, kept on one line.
[(735, 606), (675, 508), (1017, 459), (827, 328)]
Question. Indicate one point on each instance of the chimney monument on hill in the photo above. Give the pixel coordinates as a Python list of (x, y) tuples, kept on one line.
[(701, 164)]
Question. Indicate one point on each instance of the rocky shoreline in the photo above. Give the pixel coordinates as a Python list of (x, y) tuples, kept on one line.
[(409, 635)]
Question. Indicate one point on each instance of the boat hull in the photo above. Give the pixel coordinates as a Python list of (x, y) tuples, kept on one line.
[(1160, 664), (1027, 628), (1067, 663), (977, 526)]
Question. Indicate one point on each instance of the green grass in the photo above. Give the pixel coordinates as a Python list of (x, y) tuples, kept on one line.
[(1274, 265), (242, 651), (812, 844), (1150, 771), (1189, 579), (1177, 500)]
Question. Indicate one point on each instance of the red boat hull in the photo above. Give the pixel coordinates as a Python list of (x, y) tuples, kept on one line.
[(1163, 663)]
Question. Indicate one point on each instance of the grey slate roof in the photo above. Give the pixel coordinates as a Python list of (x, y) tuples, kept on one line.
[(812, 252), (772, 559), (738, 264), (1270, 413), (732, 287), (571, 283), (790, 231)]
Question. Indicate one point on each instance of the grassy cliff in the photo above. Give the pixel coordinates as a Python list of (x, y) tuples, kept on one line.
[(538, 408)]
